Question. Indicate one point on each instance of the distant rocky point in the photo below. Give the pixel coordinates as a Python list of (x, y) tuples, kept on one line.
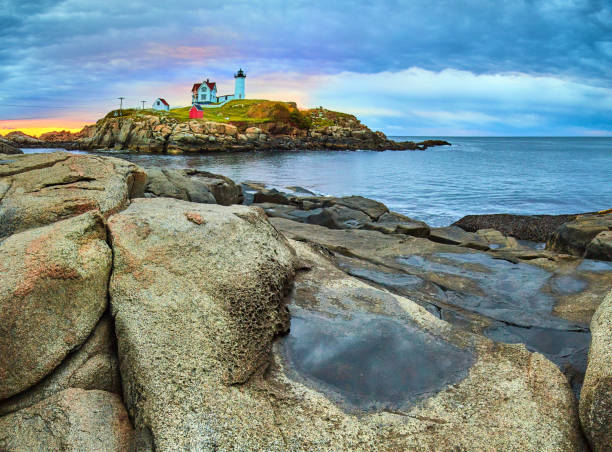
[(239, 125)]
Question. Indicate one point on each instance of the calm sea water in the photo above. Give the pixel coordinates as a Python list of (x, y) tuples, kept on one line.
[(439, 185)]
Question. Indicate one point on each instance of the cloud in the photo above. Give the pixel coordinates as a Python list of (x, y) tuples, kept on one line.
[(82, 53), (456, 101)]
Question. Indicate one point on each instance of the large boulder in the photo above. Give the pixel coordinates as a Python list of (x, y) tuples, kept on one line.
[(53, 291), (596, 395), (225, 190), (197, 295), (600, 247), (192, 185), (370, 207), (93, 365), (74, 420), (39, 189), (7, 147), (172, 184), (575, 236)]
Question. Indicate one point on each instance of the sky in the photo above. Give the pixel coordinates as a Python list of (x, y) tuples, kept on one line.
[(406, 67)]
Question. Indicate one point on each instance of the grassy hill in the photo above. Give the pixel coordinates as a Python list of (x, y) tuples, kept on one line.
[(253, 112)]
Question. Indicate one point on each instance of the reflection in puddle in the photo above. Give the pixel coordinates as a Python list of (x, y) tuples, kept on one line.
[(567, 349), (512, 292), (566, 285), (395, 280), (589, 265), (373, 362)]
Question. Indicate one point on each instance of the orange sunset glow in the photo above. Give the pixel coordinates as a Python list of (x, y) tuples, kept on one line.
[(36, 127)]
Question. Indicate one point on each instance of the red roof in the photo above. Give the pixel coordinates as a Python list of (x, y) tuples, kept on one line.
[(211, 85), (163, 101), (196, 87)]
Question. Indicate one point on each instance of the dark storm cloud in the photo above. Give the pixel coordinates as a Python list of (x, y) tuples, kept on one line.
[(80, 51)]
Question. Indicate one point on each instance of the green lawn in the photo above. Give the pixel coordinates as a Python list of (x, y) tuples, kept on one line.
[(253, 111)]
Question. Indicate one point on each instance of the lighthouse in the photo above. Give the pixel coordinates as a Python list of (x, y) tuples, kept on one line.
[(239, 87)]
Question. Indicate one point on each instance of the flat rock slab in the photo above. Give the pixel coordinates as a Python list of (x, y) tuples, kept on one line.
[(454, 235), (39, 189), (74, 420), (197, 293), (363, 369), (544, 303), (53, 291)]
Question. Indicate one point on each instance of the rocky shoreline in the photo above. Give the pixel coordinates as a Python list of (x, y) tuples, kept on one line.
[(147, 133), (165, 309)]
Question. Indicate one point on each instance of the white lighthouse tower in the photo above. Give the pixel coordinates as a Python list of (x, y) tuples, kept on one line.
[(240, 77)]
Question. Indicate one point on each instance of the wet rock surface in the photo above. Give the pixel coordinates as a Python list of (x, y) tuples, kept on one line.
[(543, 303), (596, 395), (374, 362), (408, 376)]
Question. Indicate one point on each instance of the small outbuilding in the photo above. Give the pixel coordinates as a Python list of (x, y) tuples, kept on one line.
[(161, 104), (196, 111)]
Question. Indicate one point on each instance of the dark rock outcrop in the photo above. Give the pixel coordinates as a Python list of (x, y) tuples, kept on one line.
[(192, 185), (536, 228), (349, 212), (7, 148)]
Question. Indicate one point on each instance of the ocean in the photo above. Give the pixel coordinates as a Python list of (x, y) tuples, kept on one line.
[(439, 185)]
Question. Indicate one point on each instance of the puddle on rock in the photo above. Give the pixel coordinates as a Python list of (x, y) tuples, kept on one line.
[(393, 280), (371, 362), (589, 265), (567, 285), (514, 292), (567, 349)]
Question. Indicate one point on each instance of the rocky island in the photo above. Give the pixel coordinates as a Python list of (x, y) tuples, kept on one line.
[(238, 125), (152, 310)]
